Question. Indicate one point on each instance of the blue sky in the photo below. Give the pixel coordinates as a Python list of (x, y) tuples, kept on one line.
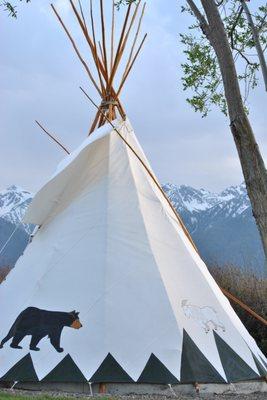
[(40, 78)]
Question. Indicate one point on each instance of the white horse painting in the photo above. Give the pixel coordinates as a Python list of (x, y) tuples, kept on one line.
[(205, 316)]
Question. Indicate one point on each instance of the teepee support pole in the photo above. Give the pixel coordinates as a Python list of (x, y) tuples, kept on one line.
[(92, 44), (82, 14), (125, 37), (112, 35), (120, 108), (101, 51), (87, 36), (52, 137), (129, 30), (100, 63), (76, 50), (243, 305), (94, 124), (100, 66), (135, 39), (116, 61), (80, 20), (103, 36), (106, 73), (102, 118), (126, 73), (94, 50)]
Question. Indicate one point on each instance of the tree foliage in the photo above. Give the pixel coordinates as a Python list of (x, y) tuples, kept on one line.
[(119, 3), (11, 8), (201, 72)]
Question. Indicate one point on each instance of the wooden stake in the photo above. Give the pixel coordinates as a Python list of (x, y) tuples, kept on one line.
[(102, 388), (53, 138)]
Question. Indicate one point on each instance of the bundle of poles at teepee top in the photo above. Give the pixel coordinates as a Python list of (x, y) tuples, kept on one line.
[(107, 64)]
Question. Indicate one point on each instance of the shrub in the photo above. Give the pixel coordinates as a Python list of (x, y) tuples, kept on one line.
[(252, 291)]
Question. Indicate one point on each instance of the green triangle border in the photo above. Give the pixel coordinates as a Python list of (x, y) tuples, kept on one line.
[(264, 362), (195, 367), (65, 371), (110, 371), (235, 368), (22, 371), (156, 372), (261, 368)]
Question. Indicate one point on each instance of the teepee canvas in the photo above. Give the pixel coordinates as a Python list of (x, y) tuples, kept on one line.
[(111, 288)]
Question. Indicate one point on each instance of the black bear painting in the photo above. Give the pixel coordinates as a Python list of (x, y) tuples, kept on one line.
[(39, 324)]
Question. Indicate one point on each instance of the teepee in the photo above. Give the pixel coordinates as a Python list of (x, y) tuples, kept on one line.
[(112, 288)]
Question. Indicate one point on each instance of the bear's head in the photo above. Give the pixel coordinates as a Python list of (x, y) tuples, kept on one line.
[(76, 324)]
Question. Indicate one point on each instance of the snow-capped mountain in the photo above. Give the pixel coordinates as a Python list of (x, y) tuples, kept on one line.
[(186, 198), (14, 202), (221, 224), (196, 200)]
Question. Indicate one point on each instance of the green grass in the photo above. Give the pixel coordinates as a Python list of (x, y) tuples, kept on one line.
[(5, 396), (14, 396)]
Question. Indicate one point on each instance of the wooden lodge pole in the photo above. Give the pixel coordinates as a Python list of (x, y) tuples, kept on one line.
[(53, 138)]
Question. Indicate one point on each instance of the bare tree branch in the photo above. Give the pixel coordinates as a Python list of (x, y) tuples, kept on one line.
[(200, 17), (234, 25), (255, 34)]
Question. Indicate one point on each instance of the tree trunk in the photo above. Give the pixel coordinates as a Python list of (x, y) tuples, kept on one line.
[(252, 163)]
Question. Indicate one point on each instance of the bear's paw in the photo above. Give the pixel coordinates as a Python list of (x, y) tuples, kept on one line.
[(60, 350)]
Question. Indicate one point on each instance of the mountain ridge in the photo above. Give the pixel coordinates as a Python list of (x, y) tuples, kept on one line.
[(221, 224)]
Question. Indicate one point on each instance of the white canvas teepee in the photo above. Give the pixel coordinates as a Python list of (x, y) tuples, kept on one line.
[(110, 247), (112, 289)]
